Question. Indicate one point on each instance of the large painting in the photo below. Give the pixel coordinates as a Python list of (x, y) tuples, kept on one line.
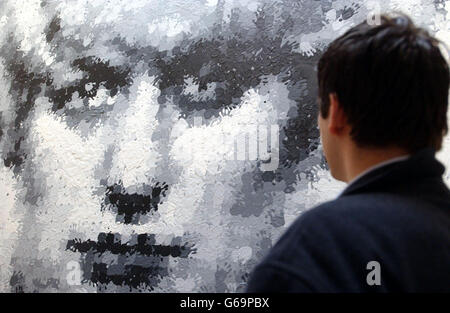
[(162, 146)]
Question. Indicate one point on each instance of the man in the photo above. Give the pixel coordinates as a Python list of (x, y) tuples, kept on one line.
[(383, 93)]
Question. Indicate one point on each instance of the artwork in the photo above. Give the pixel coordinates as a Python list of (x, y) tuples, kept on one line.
[(162, 146)]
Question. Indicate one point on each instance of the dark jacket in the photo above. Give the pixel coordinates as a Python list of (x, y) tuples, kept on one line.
[(397, 215)]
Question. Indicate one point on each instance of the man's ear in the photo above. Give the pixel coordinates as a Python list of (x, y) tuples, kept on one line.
[(337, 119)]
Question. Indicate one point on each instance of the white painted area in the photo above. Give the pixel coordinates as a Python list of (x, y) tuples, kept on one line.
[(306, 48), (242, 255), (168, 26), (29, 31), (3, 21), (166, 20), (444, 154), (73, 12), (211, 3), (137, 155), (67, 161), (187, 284), (10, 221)]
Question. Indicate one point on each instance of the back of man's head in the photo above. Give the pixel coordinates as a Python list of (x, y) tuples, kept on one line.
[(392, 82)]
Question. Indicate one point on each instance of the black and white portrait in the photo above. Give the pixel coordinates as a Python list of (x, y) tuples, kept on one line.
[(162, 146)]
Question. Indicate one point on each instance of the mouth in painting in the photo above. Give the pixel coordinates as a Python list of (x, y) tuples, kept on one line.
[(130, 206), (137, 263)]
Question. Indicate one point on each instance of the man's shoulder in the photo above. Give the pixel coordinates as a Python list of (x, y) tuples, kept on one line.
[(351, 208), (346, 222), (320, 239), (328, 247), (321, 226), (361, 208)]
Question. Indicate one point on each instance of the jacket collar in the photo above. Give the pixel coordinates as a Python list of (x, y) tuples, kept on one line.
[(419, 165)]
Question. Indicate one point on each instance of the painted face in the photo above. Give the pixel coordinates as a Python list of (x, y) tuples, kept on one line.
[(154, 145)]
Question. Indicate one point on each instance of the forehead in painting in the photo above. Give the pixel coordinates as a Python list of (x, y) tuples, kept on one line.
[(202, 62)]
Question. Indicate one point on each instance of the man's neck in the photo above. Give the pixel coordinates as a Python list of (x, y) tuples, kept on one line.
[(359, 160)]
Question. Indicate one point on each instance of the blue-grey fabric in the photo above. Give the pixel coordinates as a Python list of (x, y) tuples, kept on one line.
[(397, 215)]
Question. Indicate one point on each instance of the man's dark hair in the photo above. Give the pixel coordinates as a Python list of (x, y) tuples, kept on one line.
[(392, 82)]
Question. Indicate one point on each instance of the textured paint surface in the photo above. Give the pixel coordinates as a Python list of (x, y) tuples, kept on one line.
[(119, 136)]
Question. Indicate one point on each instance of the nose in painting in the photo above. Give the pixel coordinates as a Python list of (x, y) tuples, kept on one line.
[(135, 151)]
